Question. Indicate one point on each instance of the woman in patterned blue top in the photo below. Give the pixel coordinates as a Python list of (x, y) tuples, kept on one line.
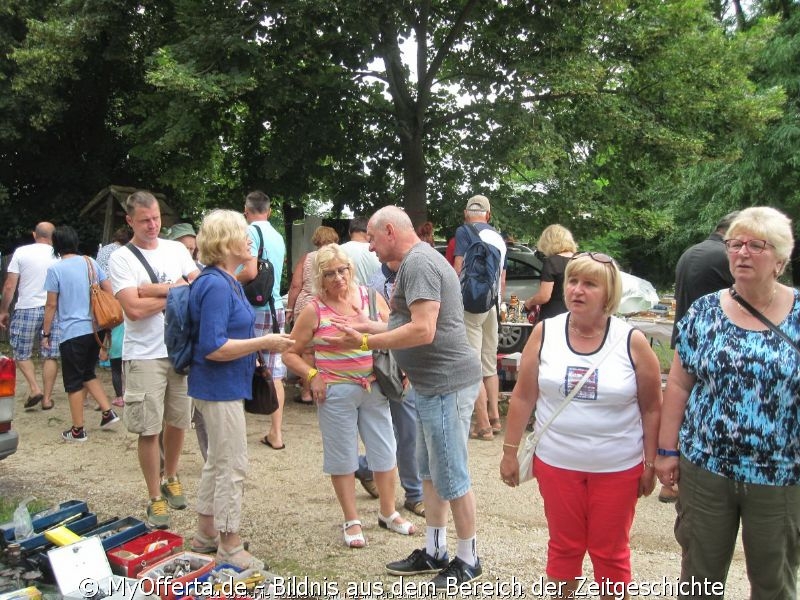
[(732, 399)]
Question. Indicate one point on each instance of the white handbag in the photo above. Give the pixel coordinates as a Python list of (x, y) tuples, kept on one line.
[(527, 449)]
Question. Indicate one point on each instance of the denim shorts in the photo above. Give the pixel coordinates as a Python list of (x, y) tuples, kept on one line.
[(442, 434), (349, 411)]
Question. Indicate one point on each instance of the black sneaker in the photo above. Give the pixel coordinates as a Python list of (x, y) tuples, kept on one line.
[(108, 419), (417, 562), (70, 436), (456, 573)]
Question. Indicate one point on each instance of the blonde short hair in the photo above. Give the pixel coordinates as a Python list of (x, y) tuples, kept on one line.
[(765, 222), (554, 239), (325, 256), (324, 235), (598, 268), (220, 230)]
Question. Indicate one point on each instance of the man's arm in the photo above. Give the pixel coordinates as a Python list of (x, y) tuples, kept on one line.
[(137, 307), (9, 288), (249, 270)]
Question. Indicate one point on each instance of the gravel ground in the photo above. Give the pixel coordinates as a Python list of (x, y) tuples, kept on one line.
[(293, 520)]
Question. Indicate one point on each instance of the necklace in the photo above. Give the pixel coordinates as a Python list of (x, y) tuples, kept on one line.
[(583, 335), (766, 306)]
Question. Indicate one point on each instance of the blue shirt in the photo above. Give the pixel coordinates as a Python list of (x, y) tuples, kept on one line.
[(219, 312), (70, 280), (274, 250), (742, 418)]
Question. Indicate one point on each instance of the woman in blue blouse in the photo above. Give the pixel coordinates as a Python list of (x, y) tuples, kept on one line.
[(220, 377), (730, 428)]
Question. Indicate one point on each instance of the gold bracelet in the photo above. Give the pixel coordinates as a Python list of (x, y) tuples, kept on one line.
[(364, 342), (312, 372), (649, 465), (505, 445)]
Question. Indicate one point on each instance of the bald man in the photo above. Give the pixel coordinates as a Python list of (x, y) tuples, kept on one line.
[(26, 273)]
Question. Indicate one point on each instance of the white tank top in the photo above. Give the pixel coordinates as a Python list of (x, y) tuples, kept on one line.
[(600, 431)]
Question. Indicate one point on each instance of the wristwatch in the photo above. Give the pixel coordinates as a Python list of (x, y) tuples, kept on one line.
[(45, 335), (662, 452)]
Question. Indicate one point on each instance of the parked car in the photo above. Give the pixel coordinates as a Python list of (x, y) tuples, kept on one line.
[(9, 439)]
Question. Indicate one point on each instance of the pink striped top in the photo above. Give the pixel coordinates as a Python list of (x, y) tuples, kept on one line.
[(337, 364)]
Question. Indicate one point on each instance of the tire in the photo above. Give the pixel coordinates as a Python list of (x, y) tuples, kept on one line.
[(512, 339)]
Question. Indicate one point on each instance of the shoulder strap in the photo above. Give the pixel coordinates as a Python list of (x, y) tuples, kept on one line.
[(138, 254), (90, 271), (373, 305), (760, 316), (260, 241)]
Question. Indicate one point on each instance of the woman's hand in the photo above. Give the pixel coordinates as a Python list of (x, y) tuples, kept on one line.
[(668, 470), (509, 468), (318, 388), (647, 482), (276, 342)]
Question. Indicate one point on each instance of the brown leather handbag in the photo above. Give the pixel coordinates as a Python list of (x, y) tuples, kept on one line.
[(106, 309)]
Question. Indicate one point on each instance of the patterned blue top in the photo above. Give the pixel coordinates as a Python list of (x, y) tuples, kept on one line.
[(742, 418)]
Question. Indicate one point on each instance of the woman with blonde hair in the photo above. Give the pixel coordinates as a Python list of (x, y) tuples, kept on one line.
[(220, 377), (348, 398), (557, 245), (301, 291)]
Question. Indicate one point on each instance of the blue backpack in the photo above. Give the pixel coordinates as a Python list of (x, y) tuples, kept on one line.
[(178, 327), (480, 272)]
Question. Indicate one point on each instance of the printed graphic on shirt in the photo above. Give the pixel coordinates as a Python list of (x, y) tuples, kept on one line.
[(588, 393)]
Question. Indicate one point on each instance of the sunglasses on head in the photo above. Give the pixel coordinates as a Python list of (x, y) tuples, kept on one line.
[(596, 256)]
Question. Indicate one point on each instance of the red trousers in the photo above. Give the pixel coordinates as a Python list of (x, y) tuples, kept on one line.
[(588, 512)]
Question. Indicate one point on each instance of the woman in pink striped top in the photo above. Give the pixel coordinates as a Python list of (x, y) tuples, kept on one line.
[(349, 400)]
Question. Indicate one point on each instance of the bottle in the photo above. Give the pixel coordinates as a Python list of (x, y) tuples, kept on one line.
[(513, 309)]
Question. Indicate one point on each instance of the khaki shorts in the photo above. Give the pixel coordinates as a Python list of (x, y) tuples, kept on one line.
[(482, 336), (155, 394)]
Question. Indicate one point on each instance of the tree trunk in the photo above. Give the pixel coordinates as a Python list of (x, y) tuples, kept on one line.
[(415, 177)]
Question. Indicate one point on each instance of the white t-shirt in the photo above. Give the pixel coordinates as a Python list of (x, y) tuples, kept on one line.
[(144, 338), (31, 263), (365, 260), (600, 431)]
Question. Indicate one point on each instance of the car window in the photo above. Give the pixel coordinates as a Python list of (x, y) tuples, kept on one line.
[(517, 269)]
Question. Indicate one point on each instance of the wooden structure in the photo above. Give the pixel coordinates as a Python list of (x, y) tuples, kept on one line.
[(108, 207)]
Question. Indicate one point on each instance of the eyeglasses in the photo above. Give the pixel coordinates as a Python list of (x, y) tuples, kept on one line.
[(596, 256), (753, 246), (341, 272)]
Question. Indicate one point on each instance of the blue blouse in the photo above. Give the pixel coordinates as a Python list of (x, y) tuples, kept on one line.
[(742, 418), (220, 312)]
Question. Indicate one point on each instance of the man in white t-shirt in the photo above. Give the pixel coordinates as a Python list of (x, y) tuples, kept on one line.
[(482, 328), (156, 399), (367, 264), (26, 274)]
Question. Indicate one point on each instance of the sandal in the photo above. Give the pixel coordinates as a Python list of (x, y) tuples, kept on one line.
[(390, 523), (485, 435), (245, 560), (48, 406), (353, 541), (496, 425), (33, 401), (418, 507), (203, 544)]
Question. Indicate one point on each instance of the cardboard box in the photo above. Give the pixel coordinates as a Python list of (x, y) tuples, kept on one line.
[(46, 519), (133, 556), (510, 365), (180, 586), (82, 571)]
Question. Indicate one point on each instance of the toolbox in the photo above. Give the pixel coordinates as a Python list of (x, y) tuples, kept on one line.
[(46, 519), (82, 571), (79, 523), (141, 552), (229, 581), (183, 570)]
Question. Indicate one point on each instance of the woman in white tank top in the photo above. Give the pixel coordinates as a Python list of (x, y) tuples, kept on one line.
[(595, 459)]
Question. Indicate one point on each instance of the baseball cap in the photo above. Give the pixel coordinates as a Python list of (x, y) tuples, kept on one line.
[(479, 203), (180, 230)]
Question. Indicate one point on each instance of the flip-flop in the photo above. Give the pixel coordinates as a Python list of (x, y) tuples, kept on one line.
[(33, 401), (305, 402), (266, 442), (49, 406)]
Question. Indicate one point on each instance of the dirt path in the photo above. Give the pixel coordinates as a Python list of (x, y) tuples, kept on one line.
[(291, 515)]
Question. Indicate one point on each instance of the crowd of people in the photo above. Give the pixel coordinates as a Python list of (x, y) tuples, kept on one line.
[(723, 436)]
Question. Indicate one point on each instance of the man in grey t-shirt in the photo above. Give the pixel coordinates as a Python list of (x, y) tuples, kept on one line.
[(427, 335)]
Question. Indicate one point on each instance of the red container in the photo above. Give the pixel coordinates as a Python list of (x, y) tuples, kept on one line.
[(8, 376), (178, 586), (129, 559)]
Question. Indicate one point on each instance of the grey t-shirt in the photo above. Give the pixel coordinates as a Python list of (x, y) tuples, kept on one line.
[(449, 363)]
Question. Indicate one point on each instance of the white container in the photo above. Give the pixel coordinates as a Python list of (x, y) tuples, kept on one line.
[(82, 571)]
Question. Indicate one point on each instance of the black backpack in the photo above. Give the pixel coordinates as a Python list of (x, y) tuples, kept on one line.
[(479, 275), (258, 290)]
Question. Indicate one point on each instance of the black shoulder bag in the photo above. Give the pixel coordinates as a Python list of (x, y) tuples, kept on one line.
[(258, 290), (758, 315)]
